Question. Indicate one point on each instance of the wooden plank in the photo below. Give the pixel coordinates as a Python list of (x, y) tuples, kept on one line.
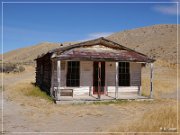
[(117, 80), (52, 78), (139, 90), (99, 80), (58, 79), (43, 75), (135, 74), (66, 92), (106, 88)]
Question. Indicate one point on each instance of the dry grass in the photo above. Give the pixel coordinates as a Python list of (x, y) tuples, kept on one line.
[(151, 121), (33, 91), (164, 116), (27, 95), (165, 79)]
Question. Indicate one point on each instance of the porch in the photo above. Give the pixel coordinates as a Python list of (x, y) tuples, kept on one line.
[(96, 81), (85, 98)]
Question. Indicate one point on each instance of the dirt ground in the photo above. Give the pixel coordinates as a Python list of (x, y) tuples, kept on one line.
[(21, 116)]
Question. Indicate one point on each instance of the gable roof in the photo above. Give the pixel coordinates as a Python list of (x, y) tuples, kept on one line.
[(120, 53), (114, 52)]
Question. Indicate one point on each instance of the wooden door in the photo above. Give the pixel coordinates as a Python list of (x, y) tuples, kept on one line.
[(98, 77)]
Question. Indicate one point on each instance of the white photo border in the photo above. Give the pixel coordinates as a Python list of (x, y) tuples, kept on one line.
[(28, 2)]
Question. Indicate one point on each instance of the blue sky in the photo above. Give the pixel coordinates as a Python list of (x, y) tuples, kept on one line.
[(29, 24)]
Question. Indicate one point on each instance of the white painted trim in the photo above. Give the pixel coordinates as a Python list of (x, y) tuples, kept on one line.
[(58, 79), (117, 80)]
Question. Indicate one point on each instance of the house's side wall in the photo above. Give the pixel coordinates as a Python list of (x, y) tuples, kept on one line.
[(38, 72), (43, 73)]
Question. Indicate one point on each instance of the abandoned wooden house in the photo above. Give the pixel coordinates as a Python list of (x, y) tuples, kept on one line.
[(96, 68)]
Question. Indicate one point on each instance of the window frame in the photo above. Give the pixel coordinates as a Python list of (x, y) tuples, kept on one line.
[(124, 74)]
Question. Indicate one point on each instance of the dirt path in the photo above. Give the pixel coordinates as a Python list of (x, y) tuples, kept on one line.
[(77, 118)]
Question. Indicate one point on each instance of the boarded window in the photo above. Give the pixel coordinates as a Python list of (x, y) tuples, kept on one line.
[(124, 75), (73, 74)]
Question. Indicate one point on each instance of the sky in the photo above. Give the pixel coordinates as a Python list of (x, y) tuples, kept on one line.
[(26, 24)]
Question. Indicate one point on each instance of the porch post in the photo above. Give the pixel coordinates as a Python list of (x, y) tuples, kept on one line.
[(117, 80), (58, 79), (99, 80), (139, 86), (139, 90), (151, 80)]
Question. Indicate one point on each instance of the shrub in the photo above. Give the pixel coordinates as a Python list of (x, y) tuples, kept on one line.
[(11, 67), (21, 68), (8, 67)]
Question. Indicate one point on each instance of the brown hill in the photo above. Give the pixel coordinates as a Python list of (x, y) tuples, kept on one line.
[(28, 54), (158, 41)]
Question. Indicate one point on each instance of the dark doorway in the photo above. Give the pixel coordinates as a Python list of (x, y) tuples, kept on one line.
[(98, 77)]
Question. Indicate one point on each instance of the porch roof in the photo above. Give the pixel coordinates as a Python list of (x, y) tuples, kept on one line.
[(120, 55), (99, 49)]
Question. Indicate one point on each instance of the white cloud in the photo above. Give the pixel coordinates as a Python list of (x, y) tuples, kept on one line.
[(170, 9), (97, 35)]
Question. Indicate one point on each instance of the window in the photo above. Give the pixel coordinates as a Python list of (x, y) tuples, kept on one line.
[(73, 74), (124, 76)]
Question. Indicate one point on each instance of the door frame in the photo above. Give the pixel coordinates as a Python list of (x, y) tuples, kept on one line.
[(104, 90)]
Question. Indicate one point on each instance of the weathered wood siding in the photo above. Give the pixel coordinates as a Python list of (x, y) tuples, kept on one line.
[(135, 77), (135, 74), (110, 73), (43, 73), (86, 73), (63, 73), (86, 77)]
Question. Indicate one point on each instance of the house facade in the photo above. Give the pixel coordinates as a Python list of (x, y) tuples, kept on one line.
[(95, 67)]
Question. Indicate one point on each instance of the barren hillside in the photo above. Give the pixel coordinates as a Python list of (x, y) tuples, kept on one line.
[(28, 54), (158, 41)]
